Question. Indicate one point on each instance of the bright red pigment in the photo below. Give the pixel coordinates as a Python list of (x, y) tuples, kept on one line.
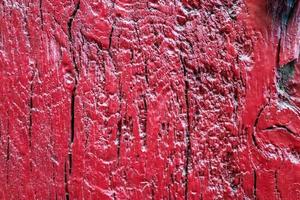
[(157, 99)]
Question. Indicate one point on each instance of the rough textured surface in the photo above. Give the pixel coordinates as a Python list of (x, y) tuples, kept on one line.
[(149, 99)]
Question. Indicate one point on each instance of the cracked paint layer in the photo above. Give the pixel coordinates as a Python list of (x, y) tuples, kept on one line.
[(151, 99)]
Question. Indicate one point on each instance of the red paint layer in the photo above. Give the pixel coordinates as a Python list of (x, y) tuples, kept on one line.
[(149, 99)]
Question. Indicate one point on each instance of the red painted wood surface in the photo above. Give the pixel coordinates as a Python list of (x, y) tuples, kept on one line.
[(150, 99)]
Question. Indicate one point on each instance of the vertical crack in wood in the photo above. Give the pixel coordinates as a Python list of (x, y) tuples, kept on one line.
[(71, 19), (254, 140), (110, 39), (187, 134), (278, 49), (144, 122), (254, 184), (73, 98), (41, 13)]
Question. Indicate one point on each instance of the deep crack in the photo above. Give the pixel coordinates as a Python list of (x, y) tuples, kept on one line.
[(254, 184), (281, 127), (71, 19), (257, 120), (187, 135), (73, 94), (41, 13)]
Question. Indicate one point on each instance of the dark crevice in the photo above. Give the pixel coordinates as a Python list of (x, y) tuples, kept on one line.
[(73, 94), (70, 161), (254, 140), (256, 122), (254, 184), (277, 190), (41, 13), (71, 19), (120, 122), (110, 39), (110, 36), (187, 135), (146, 72), (282, 127), (259, 114), (73, 115), (278, 50), (236, 103), (131, 56), (144, 121)]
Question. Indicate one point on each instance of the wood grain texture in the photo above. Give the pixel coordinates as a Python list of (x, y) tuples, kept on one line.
[(150, 99)]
